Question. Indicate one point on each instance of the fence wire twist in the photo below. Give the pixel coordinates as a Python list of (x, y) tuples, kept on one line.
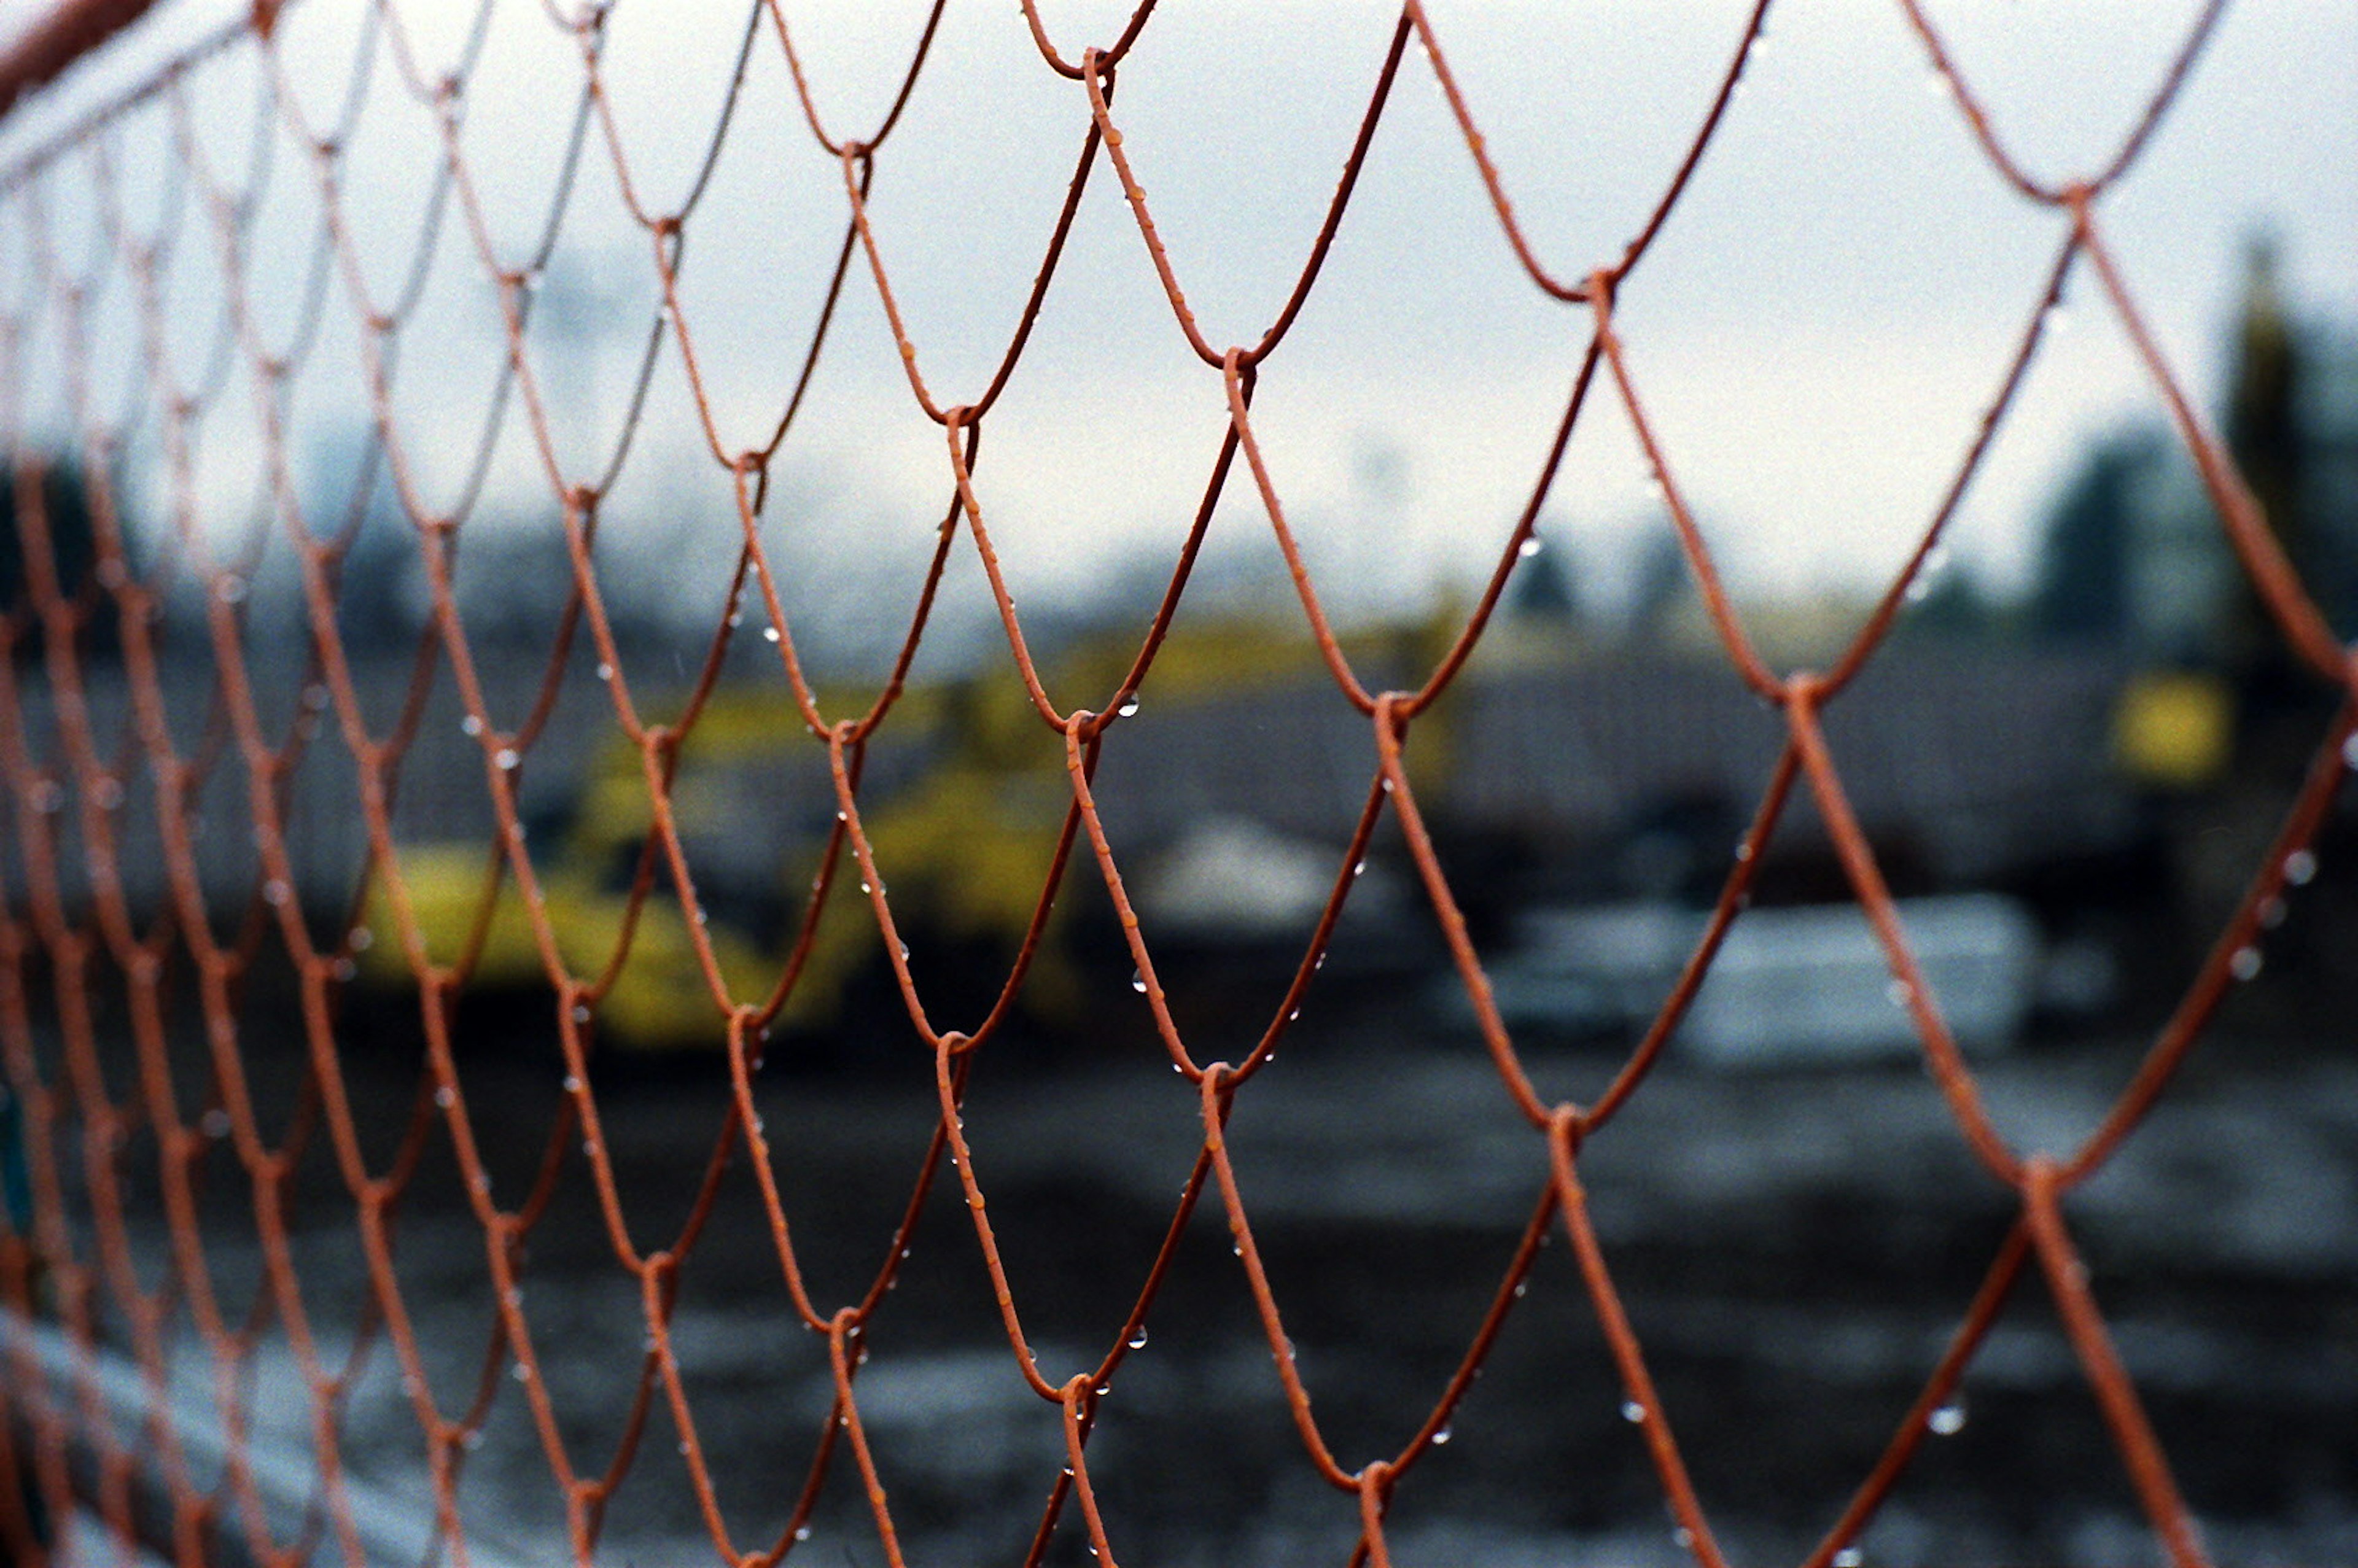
[(109, 962)]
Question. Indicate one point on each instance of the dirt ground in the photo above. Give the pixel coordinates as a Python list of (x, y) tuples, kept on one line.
[(1793, 1248)]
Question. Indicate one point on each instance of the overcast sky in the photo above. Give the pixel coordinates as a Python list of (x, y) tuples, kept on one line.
[(1815, 331)]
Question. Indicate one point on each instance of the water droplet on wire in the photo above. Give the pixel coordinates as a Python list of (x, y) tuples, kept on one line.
[(1949, 1419), (1138, 981), (1137, 1340), (1849, 1557), (1129, 709), (1529, 546), (1633, 1413), (2246, 963), (2300, 868)]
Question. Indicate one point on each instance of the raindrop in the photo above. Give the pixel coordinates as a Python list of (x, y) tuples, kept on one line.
[(802, 1532), (683, 1448), (1949, 1419), (1900, 993), (215, 1123), (1529, 547), (573, 1083), (1849, 1557), (473, 1439), (1358, 867), (1939, 83), (2056, 317), (48, 797), (1744, 849), (1138, 981), (505, 758), (769, 634), (470, 725), (1129, 709), (277, 892), (446, 1097), (1522, 1289), (2246, 963), (2300, 868), (1138, 1337), (2350, 753), (605, 671), (344, 970), (580, 1012), (1633, 1413), (1442, 1434), (109, 795), (1683, 1537), (735, 618), (362, 938), (864, 887), (515, 1296)]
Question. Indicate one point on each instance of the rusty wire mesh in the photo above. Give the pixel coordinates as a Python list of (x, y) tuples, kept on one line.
[(83, 945)]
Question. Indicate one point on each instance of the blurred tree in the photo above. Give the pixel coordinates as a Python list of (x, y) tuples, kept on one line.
[(1659, 585), (2082, 591), (51, 495), (1959, 606), (1543, 588), (2264, 424)]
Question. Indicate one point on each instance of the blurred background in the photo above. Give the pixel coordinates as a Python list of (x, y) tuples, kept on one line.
[(2070, 757)]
